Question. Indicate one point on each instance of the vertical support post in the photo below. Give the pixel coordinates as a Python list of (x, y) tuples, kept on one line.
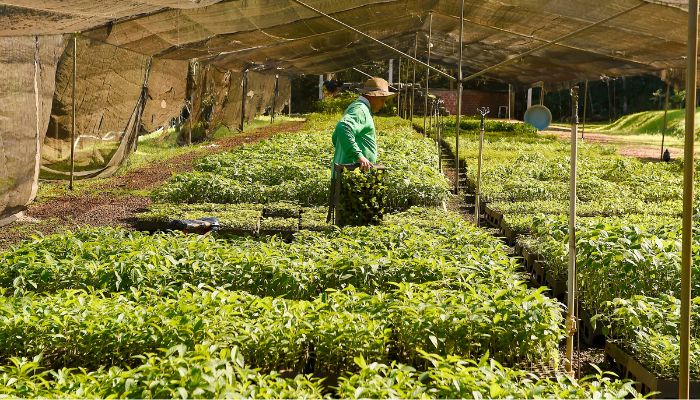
[(73, 112), (413, 86), (427, 74), (398, 96), (194, 80), (320, 87), (477, 205), (542, 95), (439, 136), (430, 120), (510, 101), (391, 71), (244, 96), (529, 97), (459, 96), (663, 131), (571, 282), (289, 105), (585, 106), (688, 172), (274, 98)]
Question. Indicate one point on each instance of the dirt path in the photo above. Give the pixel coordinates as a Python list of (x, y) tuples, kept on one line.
[(100, 208), (625, 147)]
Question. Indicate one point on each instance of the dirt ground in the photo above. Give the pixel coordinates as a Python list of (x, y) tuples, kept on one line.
[(625, 148), (101, 208)]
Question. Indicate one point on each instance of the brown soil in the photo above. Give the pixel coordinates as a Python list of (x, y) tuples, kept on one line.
[(645, 152), (103, 209)]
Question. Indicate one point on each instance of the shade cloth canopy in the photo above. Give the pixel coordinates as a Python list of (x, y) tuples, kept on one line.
[(280, 33), (141, 62)]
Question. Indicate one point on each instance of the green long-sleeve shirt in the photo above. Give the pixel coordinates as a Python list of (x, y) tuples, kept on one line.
[(355, 135)]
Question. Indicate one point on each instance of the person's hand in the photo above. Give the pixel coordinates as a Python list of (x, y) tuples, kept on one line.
[(365, 165)]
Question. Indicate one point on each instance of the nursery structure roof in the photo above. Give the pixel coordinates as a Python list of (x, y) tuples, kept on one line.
[(647, 36)]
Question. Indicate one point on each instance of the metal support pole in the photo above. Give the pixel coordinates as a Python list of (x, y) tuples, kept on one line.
[(320, 87), (427, 73), (413, 86), (510, 102), (289, 105), (398, 97), (483, 111), (377, 41), (542, 95), (274, 99), (194, 80), (663, 131), (585, 108), (439, 136), (430, 120), (73, 112), (459, 98), (391, 72), (688, 183), (571, 282), (244, 95)]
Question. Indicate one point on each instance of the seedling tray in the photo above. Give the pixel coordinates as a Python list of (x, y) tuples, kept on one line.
[(493, 217), (647, 381), (590, 335), (344, 195)]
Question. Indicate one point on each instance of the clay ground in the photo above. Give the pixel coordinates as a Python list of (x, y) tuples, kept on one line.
[(116, 201), (645, 147)]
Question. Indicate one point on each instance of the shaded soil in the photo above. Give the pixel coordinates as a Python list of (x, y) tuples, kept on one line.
[(100, 208)]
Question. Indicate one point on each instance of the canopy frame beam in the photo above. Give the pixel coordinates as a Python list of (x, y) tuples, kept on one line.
[(545, 45), (359, 32)]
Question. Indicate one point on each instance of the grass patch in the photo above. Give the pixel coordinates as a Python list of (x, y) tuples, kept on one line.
[(646, 123)]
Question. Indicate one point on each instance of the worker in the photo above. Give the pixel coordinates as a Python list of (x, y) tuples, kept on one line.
[(355, 138)]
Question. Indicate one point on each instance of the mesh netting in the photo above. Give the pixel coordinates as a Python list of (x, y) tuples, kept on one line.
[(108, 92), (27, 70), (217, 95)]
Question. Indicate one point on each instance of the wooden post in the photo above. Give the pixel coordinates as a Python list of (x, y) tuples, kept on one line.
[(688, 188), (73, 112)]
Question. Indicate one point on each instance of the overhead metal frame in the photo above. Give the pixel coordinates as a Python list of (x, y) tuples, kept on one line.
[(375, 40), (556, 41)]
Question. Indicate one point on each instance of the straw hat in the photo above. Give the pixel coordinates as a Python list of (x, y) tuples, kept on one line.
[(376, 87)]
